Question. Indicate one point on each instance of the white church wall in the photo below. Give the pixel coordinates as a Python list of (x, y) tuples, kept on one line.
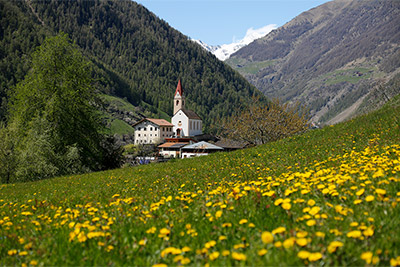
[(181, 121)]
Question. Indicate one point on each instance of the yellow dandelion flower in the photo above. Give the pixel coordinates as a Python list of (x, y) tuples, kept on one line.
[(267, 237), (262, 252), (218, 214), (369, 198), (226, 253), (311, 202), (214, 255), (367, 257), (23, 253), (354, 234), (301, 242), (160, 265), (226, 225), (314, 256), (360, 192), (303, 254), (288, 243), (186, 249), (357, 201), (238, 256), (243, 221), (368, 232), (222, 237), (286, 206), (380, 191), (334, 245), (279, 230), (34, 262), (311, 222), (12, 252)]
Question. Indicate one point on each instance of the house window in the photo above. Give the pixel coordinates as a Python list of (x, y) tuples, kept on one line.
[(138, 135), (151, 128)]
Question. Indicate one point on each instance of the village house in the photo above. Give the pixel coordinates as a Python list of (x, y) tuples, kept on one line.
[(152, 131), (199, 149)]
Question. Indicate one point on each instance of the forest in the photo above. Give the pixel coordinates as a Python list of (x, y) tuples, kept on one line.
[(135, 55)]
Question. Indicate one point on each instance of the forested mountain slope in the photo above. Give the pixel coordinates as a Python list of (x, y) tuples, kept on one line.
[(331, 57), (137, 56)]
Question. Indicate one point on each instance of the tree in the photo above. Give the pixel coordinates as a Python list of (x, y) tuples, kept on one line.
[(55, 114), (260, 124)]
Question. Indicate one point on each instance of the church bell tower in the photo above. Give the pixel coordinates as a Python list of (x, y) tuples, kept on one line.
[(179, 99)]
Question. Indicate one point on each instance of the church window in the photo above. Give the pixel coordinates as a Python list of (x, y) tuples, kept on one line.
[(151, 128), (177, 102)]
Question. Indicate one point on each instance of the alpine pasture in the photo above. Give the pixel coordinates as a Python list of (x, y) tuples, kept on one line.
[(327, 197)]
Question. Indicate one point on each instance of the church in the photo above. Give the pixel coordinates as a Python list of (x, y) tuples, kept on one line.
[(186, 122)]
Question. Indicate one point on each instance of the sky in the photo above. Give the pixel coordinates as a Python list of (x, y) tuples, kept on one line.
[(218, 22)]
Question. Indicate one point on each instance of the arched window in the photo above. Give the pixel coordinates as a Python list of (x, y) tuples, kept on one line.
[(177, 102)]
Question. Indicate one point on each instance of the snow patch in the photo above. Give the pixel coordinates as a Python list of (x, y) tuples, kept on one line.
[(223, 52)]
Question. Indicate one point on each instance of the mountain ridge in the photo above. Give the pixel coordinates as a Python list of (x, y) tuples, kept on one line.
[(136, 55), (327, 57)]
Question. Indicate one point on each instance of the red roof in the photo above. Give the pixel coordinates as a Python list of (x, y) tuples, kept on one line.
[(179, 89)]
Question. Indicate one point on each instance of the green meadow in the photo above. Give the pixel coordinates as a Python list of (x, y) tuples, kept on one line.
[(327, 197)]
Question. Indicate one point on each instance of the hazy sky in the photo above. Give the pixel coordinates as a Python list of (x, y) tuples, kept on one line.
[(217, 22)]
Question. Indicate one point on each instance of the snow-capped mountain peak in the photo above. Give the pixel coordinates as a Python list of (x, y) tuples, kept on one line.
[(223, 52)]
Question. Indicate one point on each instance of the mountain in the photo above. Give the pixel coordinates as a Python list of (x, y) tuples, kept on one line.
[(136, 55), (340, 58), (223, 52)]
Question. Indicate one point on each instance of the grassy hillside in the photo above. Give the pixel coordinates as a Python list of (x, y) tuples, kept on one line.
[(328, 197)]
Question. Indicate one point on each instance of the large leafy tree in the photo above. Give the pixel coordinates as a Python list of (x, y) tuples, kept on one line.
[(260, 124), (54, 113)]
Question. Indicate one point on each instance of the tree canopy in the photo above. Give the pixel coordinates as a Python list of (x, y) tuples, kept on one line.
[(261, 124), (54, 114)]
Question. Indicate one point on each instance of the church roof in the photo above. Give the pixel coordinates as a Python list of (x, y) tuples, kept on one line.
[(191, 114), (179, 89)]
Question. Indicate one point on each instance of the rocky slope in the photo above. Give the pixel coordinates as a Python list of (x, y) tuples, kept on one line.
[(329, 58)]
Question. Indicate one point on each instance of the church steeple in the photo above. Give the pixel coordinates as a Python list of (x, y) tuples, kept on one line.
[(179, 99)]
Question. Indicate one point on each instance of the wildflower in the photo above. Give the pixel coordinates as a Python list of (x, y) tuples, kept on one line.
[(360, 192), (226, 253), (314, 256), (142, 242), (226, 225), (303, 254), (380, 191), (214, 255), (311, 202), (368, 232), (301, 242), (262, 252), (23, 253), (243, 221), (279, 230), (354, 234), (239, 256), (288, 243), (160, 265), (33, 263), (12, 252), (311, 222), (367, 257), (286, 206), (210, 244), (267, 237), (334, 245), (186, 249), (218, 214), (369, 198)]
